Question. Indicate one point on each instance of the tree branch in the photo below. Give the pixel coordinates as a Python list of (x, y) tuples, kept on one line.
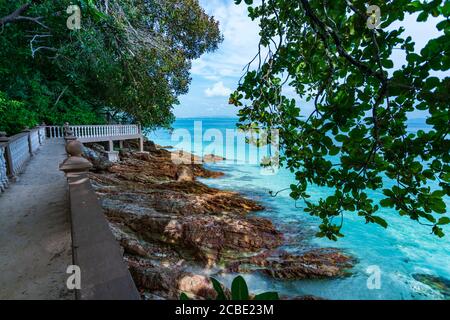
[(13, 16), (337, 41), (17, 16)]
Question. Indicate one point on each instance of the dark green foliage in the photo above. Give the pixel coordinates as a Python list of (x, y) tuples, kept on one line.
[(183, 296), (15, 116), (239, 291), (132, 58), (218, 287), (356, 139)]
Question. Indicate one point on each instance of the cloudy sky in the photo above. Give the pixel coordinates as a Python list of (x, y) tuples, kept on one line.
[(215, 75)]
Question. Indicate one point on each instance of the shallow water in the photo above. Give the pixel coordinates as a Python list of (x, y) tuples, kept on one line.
[(404, 249)]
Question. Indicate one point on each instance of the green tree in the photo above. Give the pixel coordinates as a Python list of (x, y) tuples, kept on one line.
[(15, 115), (130, 57), (356, 139)]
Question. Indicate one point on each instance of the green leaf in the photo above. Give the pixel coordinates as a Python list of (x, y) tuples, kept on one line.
[(183, 296), (443, 221), (218, 287), (333, 150), (239, 289), (423, 16), (387, 63), (438, 206), (438, 231), (386, 203), (380, 221), (267, 296)]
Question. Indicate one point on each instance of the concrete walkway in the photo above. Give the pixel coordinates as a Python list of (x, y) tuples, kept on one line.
[(35, 240)]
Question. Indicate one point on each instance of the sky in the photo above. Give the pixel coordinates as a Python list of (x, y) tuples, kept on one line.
[(215, 75)]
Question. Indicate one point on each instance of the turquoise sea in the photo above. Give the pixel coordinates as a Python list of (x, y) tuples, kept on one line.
[(403, 250)]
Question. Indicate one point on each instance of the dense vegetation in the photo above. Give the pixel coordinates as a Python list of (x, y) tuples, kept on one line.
[(130, 58), (357, 135)]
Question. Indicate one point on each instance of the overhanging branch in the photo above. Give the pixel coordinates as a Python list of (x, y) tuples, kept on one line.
[(324, 29), (17, 16)]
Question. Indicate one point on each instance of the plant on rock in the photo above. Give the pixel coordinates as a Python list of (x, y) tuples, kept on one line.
[(239, 291)]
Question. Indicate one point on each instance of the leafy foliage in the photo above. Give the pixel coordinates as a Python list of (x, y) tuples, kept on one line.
[(239, 291), (131, 58), (15, 115), (356, 139)]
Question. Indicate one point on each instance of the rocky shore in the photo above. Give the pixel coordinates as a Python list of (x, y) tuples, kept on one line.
[(176, 231)]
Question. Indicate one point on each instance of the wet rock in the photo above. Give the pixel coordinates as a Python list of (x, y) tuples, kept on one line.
[(183, 157), (161, 202), (163, 147), (314, 264), (439, 284), (204, 238), (170, 282), (173, 228), (184, 174), (211, 158), (95, 154), (150, 146)]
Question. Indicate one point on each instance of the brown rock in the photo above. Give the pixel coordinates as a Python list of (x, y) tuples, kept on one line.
[(170, 282), (184, 173), (183, 157), (168, 224), (212, 158), (314, 264)]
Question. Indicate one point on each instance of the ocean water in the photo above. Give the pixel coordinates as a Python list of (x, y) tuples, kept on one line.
[(404, 249)]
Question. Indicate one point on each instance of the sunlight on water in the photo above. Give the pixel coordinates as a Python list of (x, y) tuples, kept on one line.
[(404, 249)]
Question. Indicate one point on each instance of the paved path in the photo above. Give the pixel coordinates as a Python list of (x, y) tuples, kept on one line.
[(35, 241)]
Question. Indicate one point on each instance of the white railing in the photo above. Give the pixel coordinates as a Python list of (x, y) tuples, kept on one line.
[(93, 133), (105, 131), (19, 149), (34, 141), (15, 151), (4, 181), (54, 132), (42, 134)]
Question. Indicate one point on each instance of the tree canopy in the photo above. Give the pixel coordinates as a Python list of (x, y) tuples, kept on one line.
[(130, 58), (357, 137)]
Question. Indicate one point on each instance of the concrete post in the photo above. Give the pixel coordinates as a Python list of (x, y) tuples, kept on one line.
[(141, 139), (30, 147), (111, 145), (121, 144), (75, 164), (66, 130), (8, 158)]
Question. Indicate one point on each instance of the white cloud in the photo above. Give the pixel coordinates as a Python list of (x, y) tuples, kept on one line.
[(218, 90), (239, 46)]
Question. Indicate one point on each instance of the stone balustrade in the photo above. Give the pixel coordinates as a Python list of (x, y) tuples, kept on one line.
[(35, 142), (4, 181), (98, 133), (54, 132), (19, 149), (82, 132), (15, 151), (96, 252)]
